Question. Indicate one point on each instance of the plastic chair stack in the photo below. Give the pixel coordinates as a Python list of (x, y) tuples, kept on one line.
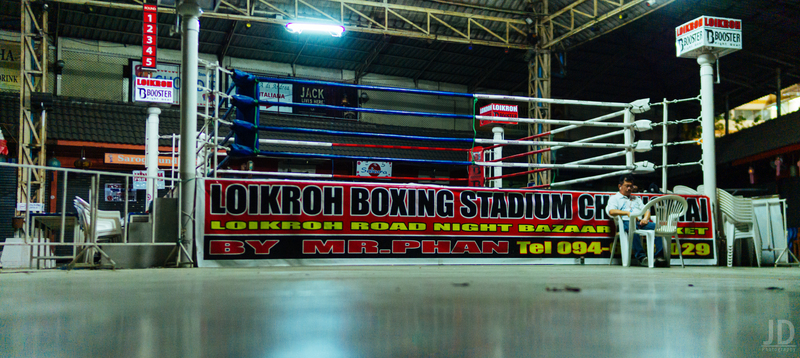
[(108, 222), (738, 222)]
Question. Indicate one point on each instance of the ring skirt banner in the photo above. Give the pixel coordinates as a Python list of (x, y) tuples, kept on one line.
[(279, 219)]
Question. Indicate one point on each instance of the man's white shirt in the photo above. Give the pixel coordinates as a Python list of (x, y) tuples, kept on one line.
[(624, 203)]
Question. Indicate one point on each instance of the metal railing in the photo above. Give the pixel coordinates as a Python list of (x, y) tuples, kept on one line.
[(85, 240)]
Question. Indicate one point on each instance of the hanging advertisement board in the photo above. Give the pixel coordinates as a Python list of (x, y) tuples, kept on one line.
[(715, 35), (171, 72)]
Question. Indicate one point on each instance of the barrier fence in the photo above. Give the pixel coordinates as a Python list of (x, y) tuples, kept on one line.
[(78, 222)]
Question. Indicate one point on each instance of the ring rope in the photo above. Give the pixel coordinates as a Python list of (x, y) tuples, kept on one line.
[(368, 110), (364, 134), (330, 176), (697, 98), (521, 155), (549, 143), (682, 121), (696, 141), (519, 173), (526, 138), (359, 157), (366, 87), (679, 165), (357, 145)]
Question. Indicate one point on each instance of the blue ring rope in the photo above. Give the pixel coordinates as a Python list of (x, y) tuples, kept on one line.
[(368, 110), (375, 88), (336, 156), (364, 134)]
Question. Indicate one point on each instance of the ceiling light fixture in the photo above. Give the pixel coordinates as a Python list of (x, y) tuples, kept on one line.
[(298, 27)]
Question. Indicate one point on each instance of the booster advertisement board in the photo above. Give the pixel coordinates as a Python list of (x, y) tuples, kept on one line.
[(708, 34)]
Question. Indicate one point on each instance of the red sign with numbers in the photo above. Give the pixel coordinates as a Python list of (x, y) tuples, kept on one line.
[(149, 36)]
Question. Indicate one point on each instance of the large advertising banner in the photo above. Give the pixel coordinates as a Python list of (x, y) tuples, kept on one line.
[(9, 66), (266, 220)]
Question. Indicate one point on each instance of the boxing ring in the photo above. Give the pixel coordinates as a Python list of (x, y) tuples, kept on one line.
[(324, 219)]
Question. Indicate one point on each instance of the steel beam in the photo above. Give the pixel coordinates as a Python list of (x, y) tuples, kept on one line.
[(32, 134), (398, 20)]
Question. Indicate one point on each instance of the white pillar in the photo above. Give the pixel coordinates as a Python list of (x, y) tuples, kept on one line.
[(190, 32), (498, 153), (151, 152), (706, 61), (664, 133)]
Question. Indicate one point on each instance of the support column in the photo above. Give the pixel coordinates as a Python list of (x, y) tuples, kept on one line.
[(151, 153), (32, 134), (539, 86), (498, 153), (727, 114), (706, 62), (664, 134), (190, 32), (778, 96)]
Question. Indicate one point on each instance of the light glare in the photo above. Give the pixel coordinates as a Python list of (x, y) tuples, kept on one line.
[(334, 30)]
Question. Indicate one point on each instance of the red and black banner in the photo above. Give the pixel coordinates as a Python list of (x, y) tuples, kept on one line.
[(304, 219)]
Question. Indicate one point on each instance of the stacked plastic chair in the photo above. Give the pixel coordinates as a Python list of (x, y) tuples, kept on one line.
[(738, 222)]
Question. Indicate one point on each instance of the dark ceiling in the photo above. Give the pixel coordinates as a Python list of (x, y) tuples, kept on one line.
[(634, 61)]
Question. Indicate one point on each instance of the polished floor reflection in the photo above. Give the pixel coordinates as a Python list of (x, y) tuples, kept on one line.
[(402, 311)]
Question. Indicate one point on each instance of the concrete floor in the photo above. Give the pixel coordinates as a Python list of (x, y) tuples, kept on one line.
[(401, 311)]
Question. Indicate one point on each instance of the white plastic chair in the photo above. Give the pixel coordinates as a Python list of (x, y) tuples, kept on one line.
[(668, 208), (625, 242), (738, 222), (682, 189)]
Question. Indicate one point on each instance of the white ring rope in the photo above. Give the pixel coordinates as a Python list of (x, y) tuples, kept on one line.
[(696, 141), (601, 136), (699, 97), (555, 166), (599, 157), (548, 143), (556, 122), (550, 100), (680, 165), (585, 179), (682, 121), (282, 174), (638, 167), (596, 119), (295, 142)]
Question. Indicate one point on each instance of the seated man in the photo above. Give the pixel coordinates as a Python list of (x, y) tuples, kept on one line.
[(623, 203)]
